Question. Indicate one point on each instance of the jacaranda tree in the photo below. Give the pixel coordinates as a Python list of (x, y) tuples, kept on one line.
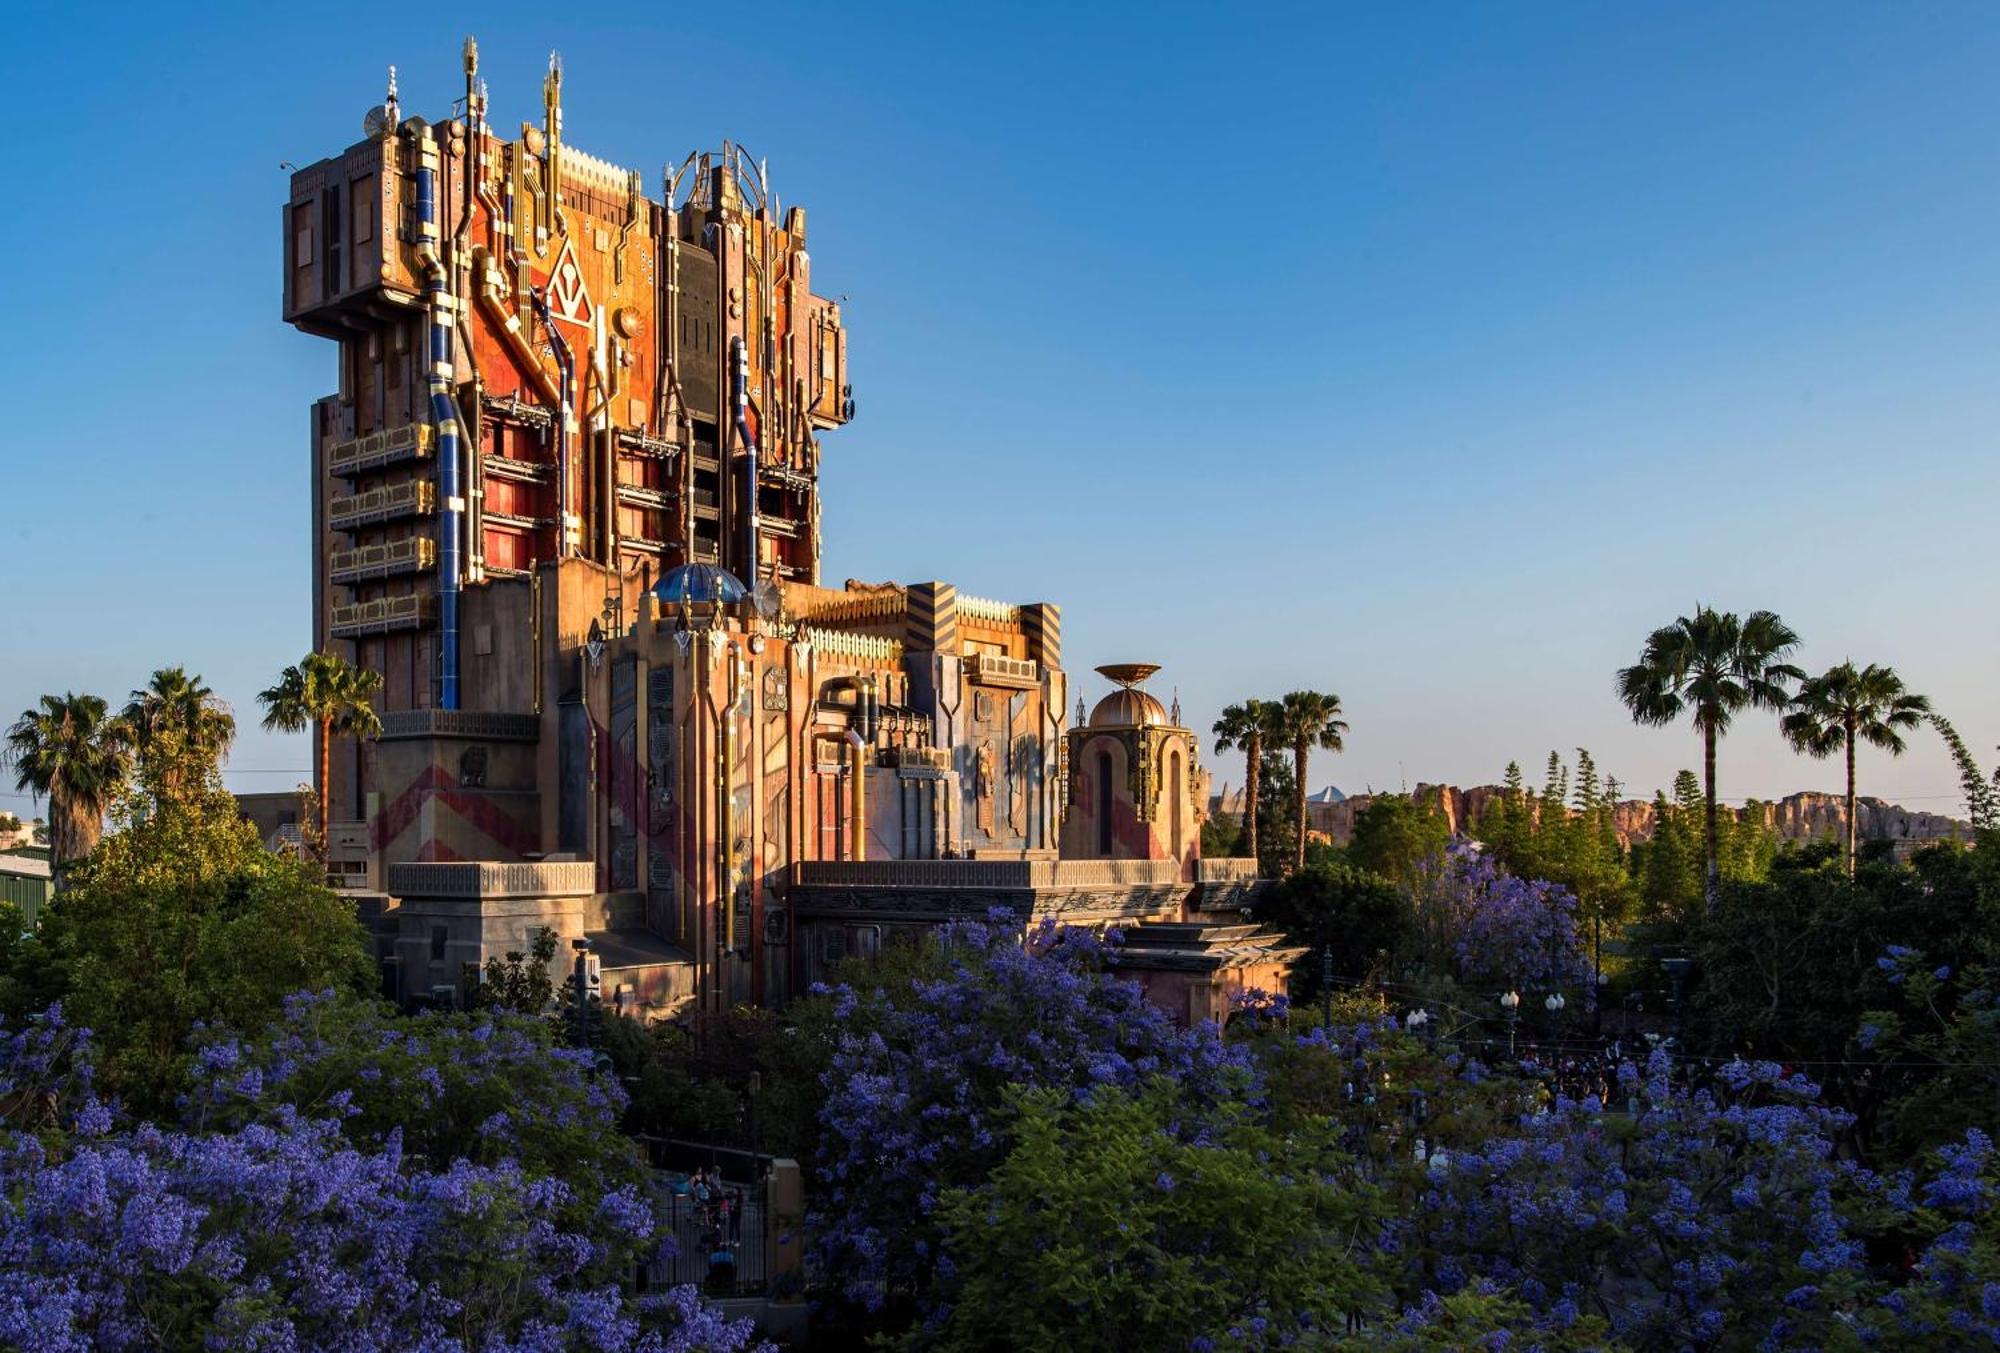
[(931, 1049), (284, 1233)]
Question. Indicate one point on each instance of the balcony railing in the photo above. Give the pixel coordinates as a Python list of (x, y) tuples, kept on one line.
[(383, 614), (484, 725), (987, 669), (951, 874), (1226, 870), (412, 441), (479, 880), (416, 498), (415, 555)]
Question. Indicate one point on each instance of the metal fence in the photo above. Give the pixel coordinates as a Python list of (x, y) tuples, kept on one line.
[(721, 1242)]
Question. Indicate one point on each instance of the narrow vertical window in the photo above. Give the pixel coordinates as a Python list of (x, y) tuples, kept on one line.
[(1104, 802)]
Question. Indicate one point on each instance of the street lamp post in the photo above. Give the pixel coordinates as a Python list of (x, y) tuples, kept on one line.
[(1677, 970), (1326, 982), (1511, 1003), (582, 984)]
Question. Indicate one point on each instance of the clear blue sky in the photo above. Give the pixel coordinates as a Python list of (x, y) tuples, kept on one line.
[(1427, 354)]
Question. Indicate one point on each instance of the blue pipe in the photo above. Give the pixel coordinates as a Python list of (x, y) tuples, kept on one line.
[(444, 413)]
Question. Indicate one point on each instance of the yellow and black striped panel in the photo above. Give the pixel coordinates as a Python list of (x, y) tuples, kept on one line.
[(1042, 623), (932, 618)]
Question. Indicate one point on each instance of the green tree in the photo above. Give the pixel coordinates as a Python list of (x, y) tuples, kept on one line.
[(1247, 727), (1278, 813), (1982, 796), (1351, 914), (333, 697), (72, 751), (1308, 719), (1845, 706), (180, 919), (1567, 834), (1396, 833), (1711, 666), (177, 714), (1669, 865), (1879, 986), (1123, 1234), (1508, 824)]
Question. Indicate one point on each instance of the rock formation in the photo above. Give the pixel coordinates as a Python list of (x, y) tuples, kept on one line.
[(1804, 816)]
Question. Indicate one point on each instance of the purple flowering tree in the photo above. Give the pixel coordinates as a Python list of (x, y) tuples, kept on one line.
[(484, 1086), (1698, 1219), (284, 1232), (924, 1061), (1488, 928)]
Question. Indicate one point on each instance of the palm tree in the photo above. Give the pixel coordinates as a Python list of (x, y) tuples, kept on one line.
[(1711, 666), (1308, 719), (1846, 705), (1247, 726), (73, 751), (333, 697), (183, 709)]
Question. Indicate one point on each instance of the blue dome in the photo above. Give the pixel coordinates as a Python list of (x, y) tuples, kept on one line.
[(700, 585)]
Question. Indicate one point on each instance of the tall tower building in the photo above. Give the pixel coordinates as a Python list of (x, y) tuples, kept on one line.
[(566, 502), (539, 362)]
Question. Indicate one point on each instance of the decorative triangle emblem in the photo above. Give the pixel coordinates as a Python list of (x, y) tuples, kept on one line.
[(568, 298)]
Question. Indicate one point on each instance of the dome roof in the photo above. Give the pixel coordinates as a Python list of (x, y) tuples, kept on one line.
[(1127, 707), (699, 584)]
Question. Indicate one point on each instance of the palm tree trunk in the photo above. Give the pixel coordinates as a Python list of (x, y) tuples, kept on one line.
[(1253, 757), (62, 841), (1712, 880), (1853, 835), (1299, 754), (325, 782)]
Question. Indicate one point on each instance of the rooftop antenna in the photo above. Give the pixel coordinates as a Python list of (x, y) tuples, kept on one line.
[(1174, 714), (391, 104)]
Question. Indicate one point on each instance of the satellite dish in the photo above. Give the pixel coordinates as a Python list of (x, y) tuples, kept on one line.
[(376, 123), (766, 599)]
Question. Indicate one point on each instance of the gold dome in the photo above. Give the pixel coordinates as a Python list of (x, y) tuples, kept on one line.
[(1127, 707)]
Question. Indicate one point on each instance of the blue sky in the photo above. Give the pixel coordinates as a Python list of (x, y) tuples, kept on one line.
[(1431, 355)]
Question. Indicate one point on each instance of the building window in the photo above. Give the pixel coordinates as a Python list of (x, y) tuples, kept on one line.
[(1104, 802), (439, 934)]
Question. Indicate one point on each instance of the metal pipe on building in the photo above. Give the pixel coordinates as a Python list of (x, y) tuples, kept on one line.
[(444, 413), (857, 813), (563, 364)]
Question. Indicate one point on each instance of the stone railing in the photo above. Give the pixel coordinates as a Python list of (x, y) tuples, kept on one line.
[(1107, 873), (1226, 871), (474, 880), (950, 874), (479, 724)]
